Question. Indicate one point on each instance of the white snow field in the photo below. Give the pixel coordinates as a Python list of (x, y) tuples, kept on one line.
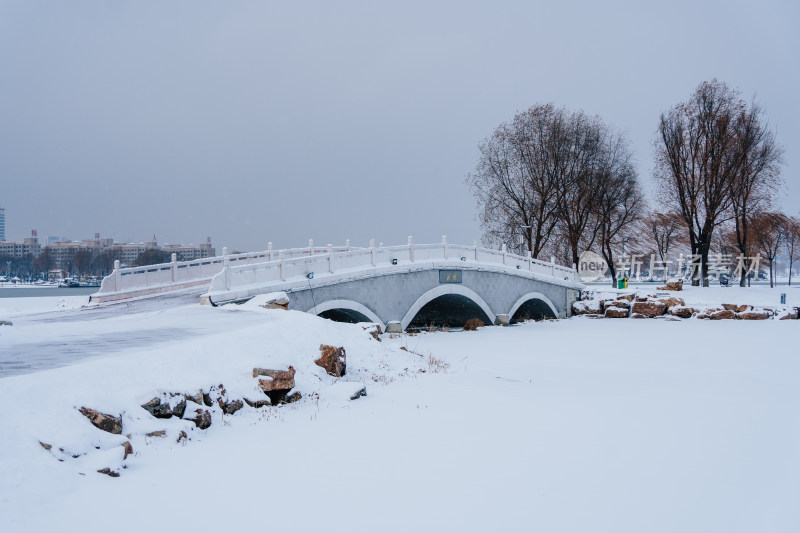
[(578, 425)]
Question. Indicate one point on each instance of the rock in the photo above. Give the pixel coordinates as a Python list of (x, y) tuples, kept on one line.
[(672, 301), (278, 384), (789, 314), (196, 398), (164, 410), (753, 315), (672, 285), (279, 379), (649, 309), (639, 315), (47, 447), (159, 433), (202, 420), (108, 472), (109, 423), (725, 314), (359, 393), (628, 297), (293, 397), (472, 324), (5, 323), (276, 300), (182, 436), (615, 312), (257, 404), (128, 449), (621, 304), (586, 307), (333, 360), (207, 399), (502, 320), (231, 407), (730, 307), (681, 311)]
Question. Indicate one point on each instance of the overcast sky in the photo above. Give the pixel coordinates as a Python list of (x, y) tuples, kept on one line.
[(282, 121)]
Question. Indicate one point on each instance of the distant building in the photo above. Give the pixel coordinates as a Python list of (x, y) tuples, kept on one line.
[(2, 223), (62, 251), (19, 250)]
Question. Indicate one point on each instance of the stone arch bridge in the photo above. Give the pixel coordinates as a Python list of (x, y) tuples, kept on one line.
[(412, 285), (409, 286)]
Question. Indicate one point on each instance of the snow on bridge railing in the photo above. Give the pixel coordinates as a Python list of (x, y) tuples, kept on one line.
[(286, 268), (136, 281)]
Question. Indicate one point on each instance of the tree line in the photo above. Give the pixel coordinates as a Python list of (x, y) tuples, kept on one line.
[(556, 182), (78, 264)]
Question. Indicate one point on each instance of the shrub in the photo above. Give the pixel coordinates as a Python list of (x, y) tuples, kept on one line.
[(473, 323)]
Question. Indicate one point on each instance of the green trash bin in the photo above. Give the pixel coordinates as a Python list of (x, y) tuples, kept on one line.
[(621, 283)]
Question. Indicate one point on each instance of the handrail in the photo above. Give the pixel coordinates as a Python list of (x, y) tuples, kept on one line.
[(286, 271), (277, 266)]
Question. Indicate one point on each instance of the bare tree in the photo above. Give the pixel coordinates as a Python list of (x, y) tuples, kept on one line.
[(757, 177), (697, 163), (769, 231), (791, 242), (620, 201), (583, 150), (515, 181), (662, 232)]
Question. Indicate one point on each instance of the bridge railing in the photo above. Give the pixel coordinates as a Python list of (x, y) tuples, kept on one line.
[(179, 274), (405, 256)]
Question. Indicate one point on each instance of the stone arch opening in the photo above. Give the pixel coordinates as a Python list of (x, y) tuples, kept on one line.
[(344, 315), (532, 306), (451, 310), (346, 311)]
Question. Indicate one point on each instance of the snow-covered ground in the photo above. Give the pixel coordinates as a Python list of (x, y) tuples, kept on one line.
[(572, 425)]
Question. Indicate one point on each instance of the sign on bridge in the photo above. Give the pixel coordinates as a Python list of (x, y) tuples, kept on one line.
[(449, 276)]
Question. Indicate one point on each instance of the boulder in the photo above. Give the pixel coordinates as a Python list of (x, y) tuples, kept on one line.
[(586, 307), (196, 398), (620, 304), (333, 360), (278, 379), (275, 300), (159, 433), (725, 314), (109, 423), (108, 472), (672, 301), (649, 309), (639, 315), (789, 314), (735, 308), (278, 383), (257, 404), (753, 315), (628, 297), (672, 285), (231, 407), (202, 419), (128, 449), (681, 311), (165, 410), (359, 393), (615, 312), (291, 398)]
